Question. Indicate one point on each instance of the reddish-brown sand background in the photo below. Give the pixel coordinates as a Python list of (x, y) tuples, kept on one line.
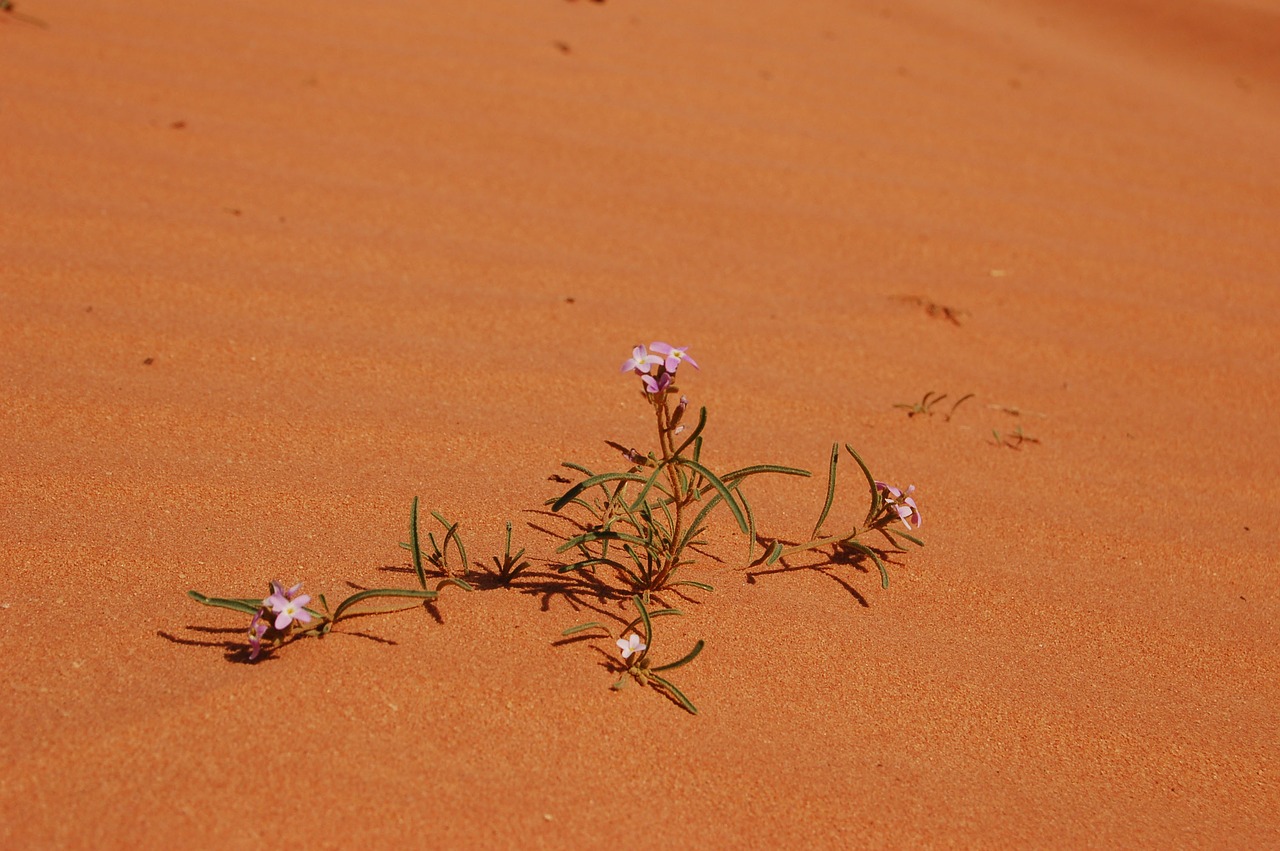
[(397, 248)]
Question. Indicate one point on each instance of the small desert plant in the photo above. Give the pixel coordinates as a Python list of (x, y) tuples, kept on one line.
[(1013, 439), (438, 557), (642, 521), (283, 615), (511, 565), (888, 505), (927, 403), (636, 664)]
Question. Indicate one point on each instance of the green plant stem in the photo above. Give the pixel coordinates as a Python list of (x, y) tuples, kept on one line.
[(666, 440)]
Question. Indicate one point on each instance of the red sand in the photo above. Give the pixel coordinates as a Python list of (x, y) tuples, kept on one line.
[(269, 270)]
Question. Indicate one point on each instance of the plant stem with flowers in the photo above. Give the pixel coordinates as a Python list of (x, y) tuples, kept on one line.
[(642, 521)]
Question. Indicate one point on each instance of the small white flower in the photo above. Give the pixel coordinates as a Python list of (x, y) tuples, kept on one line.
[(631, 644)]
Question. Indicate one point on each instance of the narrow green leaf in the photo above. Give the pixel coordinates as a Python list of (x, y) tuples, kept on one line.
[(649, 483), (453, 580), (656, 613), (669, 527), (451, 532), (694, 435), (775, 553), (583, 627), (831, 489), (577, 489), (243, 605), (751, 521), (677, 694), (412, 593), (696, 527), (648, 625), (957, 404), (578, 467), (876, 498), (701, 585), (721, 488), (693, 654), (756, 469), (863, 548), (912, 538), (414, 547)]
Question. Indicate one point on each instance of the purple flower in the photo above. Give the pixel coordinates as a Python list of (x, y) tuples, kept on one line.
[(673, 356), (257, 629), (288, 605), (640, 361), (901, 503), (657, 385)]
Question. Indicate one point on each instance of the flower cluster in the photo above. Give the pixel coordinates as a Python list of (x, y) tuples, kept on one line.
[(278, 613), (901, 503), (666, 357)]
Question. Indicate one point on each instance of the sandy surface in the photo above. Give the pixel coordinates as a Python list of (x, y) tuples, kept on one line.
[(267, 271)]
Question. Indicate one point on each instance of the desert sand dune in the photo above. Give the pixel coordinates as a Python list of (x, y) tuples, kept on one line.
[(268, 271)]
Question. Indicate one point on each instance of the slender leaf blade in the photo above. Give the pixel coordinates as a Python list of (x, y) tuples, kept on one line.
[(411, 593), (583, 627), (721, 488), (644, 616), (414, 549), (863, 548), (831, 489), (876, 499), (243, 605), (577, 489), (676, 693), (692, 654)]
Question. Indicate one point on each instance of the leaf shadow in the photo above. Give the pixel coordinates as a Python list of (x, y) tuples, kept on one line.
[(838, 557)]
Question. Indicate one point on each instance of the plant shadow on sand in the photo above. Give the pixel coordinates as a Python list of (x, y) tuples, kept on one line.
[(237, 649), (826, 566)]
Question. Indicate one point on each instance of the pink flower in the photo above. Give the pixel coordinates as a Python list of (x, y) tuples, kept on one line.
[(673, 356), (257, 629), (640, 361), (901, 503), (656, 385), (288, 606)]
